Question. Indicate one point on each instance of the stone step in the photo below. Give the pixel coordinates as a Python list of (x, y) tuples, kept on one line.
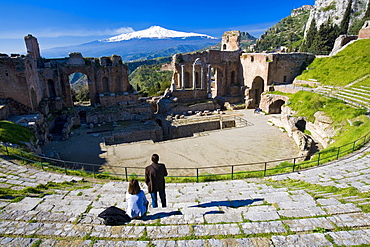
[(340, 238), (359, 90), (354, 97)]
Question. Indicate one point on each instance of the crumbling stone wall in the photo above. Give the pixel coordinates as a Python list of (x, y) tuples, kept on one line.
[(13, 79), (230, 41), (260, 71), (190, 129), (213, 72), (155, 134), (45, 86), (364, 33), (272, 104)]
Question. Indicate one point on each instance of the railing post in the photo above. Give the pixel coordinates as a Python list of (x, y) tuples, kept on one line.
[(197, 175), (65, 168), (338, 152), (20, 153), (293, 164), (126, 174), (264, 171), (6, 148), (318, 159), (354, 145), (93, 167), (232, 172)]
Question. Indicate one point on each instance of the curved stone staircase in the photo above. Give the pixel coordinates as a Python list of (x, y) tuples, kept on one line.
[(358, 96), (255, 212)]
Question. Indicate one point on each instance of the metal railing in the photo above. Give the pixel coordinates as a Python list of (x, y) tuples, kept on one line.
[(237, 171)]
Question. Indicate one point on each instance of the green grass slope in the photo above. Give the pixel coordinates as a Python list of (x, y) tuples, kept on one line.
[(14, 133), (350, 123), (350, 64)]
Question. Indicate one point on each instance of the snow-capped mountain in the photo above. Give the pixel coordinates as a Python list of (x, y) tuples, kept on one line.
[(139, 45), (155, 32)]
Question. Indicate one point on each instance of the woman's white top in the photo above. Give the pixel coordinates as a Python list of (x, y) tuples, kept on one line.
[(136, 204)]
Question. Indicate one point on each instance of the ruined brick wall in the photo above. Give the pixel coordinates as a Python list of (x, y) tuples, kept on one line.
[(155, 134), (230, 41), (271, 103), (262, 70), (222, 66), (127, 113), (181, 108), (4, 111), (44, 83), (120, 98), (189, 94), (13, 81), (364, 33), (284, 67), (190, 129), (254, 65), (107, 76)]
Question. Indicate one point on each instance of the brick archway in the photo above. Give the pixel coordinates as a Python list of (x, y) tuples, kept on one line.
[(271, 103)]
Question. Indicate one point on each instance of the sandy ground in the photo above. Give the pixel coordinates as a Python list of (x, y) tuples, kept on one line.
[(257, 143)]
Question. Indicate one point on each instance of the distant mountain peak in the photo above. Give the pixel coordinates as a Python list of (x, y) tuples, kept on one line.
[(155, 32)]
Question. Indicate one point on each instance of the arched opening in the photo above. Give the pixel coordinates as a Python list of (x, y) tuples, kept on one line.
[(197, 80), (51, 89), (187, 80), (301, 125), (216, 81), (224, 47), (34, 99), (80, 91), (105, 85), (82, 115), (233, 77), (256, 91), (275, 107), (118, 84), (159, 122)]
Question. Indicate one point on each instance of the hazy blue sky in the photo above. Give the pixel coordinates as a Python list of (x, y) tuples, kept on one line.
[(68, 22)]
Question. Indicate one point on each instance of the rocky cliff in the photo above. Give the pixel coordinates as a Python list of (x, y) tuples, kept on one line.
[(324, 10)]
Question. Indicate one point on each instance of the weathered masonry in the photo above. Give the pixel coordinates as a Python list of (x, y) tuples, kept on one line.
[(231, 75), (43, 84)]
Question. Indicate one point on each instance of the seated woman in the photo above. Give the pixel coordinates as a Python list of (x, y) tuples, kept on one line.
[(137, 204)]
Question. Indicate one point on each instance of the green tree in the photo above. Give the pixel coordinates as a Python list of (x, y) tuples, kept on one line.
[(325, 38), (150, 80), (344, 24), (81, 93), (310, 37), (358, 23)]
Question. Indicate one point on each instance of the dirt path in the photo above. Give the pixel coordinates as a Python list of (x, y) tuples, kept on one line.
[(257, 143)]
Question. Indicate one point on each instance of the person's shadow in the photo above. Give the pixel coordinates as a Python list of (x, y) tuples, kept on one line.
[(231, 204), (160, 215)]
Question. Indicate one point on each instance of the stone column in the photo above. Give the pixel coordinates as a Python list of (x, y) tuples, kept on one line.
[(202, 86), (209, 78), (182, 77), (194, 77)]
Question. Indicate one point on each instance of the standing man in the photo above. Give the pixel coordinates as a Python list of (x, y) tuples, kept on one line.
[(154, 178)]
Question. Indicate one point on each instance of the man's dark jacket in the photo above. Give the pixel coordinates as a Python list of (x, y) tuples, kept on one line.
[(154, 177)]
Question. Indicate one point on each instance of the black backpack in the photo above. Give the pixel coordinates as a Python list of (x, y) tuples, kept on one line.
[(114, 216)]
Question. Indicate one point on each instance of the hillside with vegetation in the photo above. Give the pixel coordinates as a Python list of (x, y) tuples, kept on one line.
[(288, 32), (14, 133), (150, 80), (350, 64), (315, 30)]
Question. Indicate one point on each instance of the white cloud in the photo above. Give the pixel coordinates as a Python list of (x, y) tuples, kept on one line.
[(53, 33)]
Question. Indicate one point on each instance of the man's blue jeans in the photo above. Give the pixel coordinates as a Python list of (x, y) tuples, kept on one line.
[(162, 195)]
